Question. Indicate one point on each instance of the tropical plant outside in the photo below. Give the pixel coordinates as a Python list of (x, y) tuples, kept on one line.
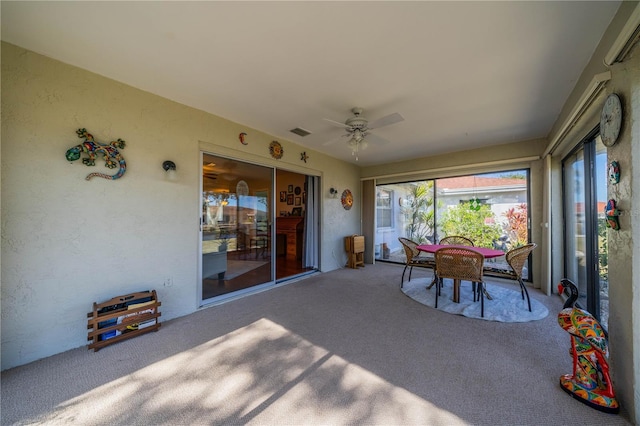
[(516, 227), (418, 212), (477, 225)]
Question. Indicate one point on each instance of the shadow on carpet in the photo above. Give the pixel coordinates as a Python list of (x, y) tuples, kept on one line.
[(507, 305)]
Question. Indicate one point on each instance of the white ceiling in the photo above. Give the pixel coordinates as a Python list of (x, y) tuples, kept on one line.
[(463, 74)]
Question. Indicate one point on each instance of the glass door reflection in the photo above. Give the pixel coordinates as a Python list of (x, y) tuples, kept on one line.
[(236, 226)]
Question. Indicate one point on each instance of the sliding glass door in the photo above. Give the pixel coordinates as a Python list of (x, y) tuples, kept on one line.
[(585, 197), (236, 225)]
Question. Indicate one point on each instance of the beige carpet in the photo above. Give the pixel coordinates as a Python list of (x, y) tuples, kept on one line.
[(341, 348)]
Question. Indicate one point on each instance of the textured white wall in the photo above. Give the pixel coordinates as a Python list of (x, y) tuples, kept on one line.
[(624, 245), (67, 242)]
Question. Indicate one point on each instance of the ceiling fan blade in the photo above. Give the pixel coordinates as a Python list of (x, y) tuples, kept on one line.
[(375, 139), (336, 123), (386, 120), (335, 140)]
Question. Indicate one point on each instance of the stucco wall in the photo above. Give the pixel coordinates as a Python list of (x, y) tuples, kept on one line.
[(67, 242), (624, 272), (623, 245)]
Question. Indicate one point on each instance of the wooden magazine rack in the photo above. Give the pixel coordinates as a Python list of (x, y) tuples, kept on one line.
[(122, 318)]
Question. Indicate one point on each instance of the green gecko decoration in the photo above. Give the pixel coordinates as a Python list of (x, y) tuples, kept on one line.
[(110, 153)]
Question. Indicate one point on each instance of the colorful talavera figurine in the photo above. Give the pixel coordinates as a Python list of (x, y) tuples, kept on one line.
[(590, 381), (614, 172), (612, 213)]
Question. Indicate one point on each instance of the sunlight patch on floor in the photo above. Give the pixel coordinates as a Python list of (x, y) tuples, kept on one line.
[(261, 374)]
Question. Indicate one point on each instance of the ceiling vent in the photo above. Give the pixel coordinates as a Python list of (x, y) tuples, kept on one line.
[(300, 132)]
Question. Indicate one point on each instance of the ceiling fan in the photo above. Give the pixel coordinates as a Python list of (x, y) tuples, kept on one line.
[(358, 128)]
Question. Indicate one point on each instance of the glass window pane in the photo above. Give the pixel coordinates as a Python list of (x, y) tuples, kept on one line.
[(575, 238), (491, 209), (601, 179)]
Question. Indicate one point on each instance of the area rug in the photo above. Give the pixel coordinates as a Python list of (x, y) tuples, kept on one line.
[(507, 305), (236, 268)]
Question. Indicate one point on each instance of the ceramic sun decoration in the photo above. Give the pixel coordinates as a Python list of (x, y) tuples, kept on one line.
[(347, 199), (91, 148), (276, 150), (590, 381)]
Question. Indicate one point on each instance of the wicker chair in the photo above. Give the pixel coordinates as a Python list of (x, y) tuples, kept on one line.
[(414, 258), (460, 264), (456, 240), (516, 259)]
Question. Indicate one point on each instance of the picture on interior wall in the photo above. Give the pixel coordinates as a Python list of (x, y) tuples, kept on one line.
[(304, 198), (298, 201), (290, 199), (283, 196), (290, 189), (297, 211)]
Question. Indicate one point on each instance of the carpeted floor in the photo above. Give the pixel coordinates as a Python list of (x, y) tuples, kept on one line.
[(506, 304), (340, 348)]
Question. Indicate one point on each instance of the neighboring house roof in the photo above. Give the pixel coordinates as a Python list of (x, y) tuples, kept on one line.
[(477, 185), (465, 182)]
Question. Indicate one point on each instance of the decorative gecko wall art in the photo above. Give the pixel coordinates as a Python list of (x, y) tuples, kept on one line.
[(91, 148)]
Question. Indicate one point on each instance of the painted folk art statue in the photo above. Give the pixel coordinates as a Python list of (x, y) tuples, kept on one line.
[(590, 381), (91, 148)]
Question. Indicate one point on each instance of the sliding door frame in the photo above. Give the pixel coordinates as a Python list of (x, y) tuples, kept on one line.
[(588, 146)]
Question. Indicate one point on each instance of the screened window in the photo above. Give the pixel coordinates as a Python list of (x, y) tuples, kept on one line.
[(384, 209), (491, 209)]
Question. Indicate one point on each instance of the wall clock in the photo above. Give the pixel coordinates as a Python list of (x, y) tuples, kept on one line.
[(611, 120)]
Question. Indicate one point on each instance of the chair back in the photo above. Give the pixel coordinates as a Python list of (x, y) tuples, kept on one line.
[(456, 240), (410, 248), (459, 263), (518, 256)]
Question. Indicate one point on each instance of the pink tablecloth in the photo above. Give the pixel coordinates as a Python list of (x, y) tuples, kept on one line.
[(486, 252)]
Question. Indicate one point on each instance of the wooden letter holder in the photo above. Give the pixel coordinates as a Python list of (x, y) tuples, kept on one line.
[(122, 318)]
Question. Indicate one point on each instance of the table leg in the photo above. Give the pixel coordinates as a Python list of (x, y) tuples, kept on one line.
[(456, 291)]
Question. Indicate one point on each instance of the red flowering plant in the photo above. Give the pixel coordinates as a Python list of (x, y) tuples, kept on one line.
[(516, 227)]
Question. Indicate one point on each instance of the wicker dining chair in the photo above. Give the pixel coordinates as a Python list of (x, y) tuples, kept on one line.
[(456, 240), (459, 240), (516, 259), (414, 258), (460, 264)]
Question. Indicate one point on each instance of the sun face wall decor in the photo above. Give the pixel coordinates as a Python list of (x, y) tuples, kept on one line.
[(347, 199), (275, 149)]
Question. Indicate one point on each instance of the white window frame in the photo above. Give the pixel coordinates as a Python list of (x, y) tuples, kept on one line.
[(388, 208)]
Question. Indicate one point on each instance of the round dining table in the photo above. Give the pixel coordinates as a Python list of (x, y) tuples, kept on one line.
[(486, 252)]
